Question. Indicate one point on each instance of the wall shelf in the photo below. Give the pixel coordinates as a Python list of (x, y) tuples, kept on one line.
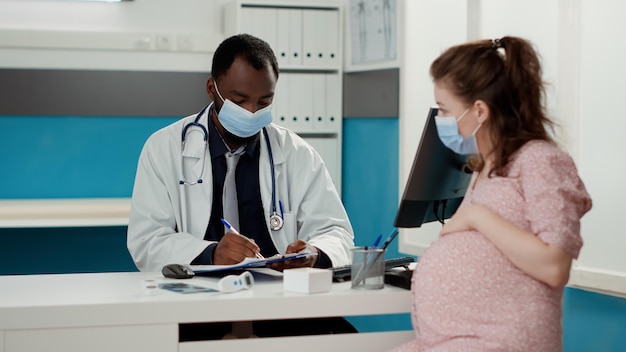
[(64, 212)]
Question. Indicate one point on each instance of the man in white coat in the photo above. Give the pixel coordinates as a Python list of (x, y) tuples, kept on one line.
[(284, 199)]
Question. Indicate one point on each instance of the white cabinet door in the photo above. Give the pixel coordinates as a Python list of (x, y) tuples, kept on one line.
[(153, 338)]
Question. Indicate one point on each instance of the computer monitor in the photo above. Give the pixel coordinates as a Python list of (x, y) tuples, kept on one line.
[(437, 182)]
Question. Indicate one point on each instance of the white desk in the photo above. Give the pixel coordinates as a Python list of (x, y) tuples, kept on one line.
[(110, 312)]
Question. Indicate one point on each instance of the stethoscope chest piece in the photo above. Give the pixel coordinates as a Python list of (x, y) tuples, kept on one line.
[(276, 222)]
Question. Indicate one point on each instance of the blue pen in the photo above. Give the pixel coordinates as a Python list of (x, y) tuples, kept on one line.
[(390, 237), (376, 241), (280, 205), (231, 228)]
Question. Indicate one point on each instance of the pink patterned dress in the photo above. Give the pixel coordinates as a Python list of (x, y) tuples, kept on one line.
[(467, 296)]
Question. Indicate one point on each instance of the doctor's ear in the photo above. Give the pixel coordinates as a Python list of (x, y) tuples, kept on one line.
[(210, 88), (482, 110)]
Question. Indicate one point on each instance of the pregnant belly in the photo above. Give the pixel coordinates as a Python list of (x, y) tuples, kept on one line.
[(463, 267), (464, 286)]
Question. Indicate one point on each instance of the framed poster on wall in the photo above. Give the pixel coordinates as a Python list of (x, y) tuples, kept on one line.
[(372, 35)]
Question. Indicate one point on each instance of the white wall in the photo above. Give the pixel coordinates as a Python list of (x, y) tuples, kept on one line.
[(154, 15), (430, 26), (161, 35), (135, 35), (581, 45), (602, 133)]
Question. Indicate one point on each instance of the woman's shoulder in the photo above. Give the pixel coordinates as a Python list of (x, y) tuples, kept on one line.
[(548, 172), (540, 151), (539, 147), (540, 156)]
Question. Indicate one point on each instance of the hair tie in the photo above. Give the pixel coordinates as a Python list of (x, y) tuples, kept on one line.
[(495, 43)]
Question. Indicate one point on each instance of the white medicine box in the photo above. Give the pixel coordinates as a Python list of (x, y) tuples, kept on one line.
[(307, 280)]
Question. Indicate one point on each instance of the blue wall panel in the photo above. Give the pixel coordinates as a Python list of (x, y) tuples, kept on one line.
[(370, 194), (593, 322), (71, 157), (370, 177)]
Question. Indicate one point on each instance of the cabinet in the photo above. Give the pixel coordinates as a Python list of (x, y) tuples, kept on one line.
[(307, 40)]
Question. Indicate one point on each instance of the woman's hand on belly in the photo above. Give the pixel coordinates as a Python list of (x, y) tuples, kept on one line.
[(462, 220), (544, 262)]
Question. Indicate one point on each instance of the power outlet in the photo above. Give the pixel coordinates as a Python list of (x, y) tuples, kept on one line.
[(143, 42), (164, 42), (184, 43)]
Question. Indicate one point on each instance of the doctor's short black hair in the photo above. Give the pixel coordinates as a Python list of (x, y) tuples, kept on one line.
[(254, 50)]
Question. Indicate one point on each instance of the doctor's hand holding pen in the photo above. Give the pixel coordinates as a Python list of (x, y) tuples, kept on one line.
[(234, 247)]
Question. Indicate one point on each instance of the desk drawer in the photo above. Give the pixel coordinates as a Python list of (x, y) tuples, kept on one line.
[(153, 338)]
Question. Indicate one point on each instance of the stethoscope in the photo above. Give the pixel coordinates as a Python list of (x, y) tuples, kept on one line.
[(276, 219)]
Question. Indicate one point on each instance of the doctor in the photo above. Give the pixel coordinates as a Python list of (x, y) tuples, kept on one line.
[(285, 199)]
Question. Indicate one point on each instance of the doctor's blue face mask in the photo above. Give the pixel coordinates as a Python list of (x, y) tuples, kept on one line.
[(241, 122), (448, 131)]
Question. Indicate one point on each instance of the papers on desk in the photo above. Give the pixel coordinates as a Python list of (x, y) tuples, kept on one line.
[(250, 263)]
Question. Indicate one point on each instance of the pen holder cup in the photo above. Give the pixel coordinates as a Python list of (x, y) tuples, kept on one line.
[(368, 268)]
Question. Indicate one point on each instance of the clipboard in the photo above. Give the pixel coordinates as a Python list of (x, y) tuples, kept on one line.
[(250, 263)]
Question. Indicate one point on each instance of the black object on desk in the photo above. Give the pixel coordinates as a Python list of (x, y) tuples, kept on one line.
[(177, 271), (399, 278), (343, 273)]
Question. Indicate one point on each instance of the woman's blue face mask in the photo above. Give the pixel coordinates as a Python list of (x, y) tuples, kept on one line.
[(448, 131), (241, 122)]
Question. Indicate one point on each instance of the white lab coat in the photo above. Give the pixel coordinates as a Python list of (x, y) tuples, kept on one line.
[(168, 220)]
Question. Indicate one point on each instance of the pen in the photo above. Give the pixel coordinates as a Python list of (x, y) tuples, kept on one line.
[(231, 228), (376, 241), (390, 238)]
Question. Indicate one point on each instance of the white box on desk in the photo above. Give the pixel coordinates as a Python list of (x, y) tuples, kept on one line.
[(307, 280)]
